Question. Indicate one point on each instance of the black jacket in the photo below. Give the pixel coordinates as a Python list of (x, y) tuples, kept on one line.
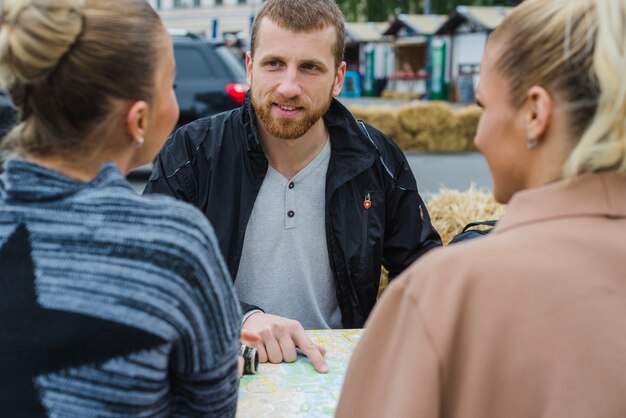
[(217, 164)]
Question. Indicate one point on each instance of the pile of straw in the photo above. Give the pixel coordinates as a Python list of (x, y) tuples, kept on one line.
[(467, 122), (450, 210), (383, 118), (416, 118), (431, 126)]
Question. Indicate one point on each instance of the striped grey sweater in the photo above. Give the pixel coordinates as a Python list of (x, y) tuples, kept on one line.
[(111, 304)]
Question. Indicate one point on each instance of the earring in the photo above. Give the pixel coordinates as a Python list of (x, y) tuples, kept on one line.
[(138, 143), (530, 141)]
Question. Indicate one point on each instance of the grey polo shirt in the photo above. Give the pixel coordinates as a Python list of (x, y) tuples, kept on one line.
[(284, 264)]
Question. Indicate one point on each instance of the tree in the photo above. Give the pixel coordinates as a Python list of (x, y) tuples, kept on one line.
[(382, 10)]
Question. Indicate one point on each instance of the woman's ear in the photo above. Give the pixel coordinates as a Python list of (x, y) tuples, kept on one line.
[(540, 108), (137, 121)]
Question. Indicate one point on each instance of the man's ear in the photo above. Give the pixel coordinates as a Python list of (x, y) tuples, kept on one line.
[(539, 111), (137, 120), (249, 68), (339, 78)]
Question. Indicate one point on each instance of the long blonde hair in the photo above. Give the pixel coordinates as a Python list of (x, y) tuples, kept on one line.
[(577, 50), (64, 61)]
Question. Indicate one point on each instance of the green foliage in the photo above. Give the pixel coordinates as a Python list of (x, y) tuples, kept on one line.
[(382, 10)]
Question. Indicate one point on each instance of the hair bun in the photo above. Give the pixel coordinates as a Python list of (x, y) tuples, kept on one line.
[(34, 37)]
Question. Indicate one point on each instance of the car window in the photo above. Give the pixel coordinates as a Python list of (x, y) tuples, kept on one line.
[(191, 65), (235, 64)]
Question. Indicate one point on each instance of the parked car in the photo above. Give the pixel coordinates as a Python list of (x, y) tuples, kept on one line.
[(8, 114), (8, 119), (209, 77)]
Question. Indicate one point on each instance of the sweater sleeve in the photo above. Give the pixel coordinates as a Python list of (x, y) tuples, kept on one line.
[(203, 370), (395, 370)]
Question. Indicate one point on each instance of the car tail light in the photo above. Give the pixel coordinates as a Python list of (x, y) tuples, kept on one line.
[(237, 91)]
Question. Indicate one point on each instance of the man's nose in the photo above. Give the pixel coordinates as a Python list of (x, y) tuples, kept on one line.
[(289, 85)]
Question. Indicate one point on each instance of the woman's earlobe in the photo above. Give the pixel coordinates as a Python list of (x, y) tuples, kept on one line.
[(540, 112), (136, 122)]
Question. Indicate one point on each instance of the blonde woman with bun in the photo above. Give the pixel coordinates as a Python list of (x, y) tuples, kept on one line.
[(111, 304), (529, 321)]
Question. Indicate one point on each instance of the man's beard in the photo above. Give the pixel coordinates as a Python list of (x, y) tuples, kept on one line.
[(286, 128)]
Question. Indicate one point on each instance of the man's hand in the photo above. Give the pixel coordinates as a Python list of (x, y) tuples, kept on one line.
[(279, 339)]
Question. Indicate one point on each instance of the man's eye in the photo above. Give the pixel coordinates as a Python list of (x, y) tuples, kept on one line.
[(272, 63), (310, 67)]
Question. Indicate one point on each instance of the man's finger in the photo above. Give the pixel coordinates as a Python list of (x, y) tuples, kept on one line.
[(260, 349), (322, 349), (249, 338), (311, 350), (274, 354), (288, 348)]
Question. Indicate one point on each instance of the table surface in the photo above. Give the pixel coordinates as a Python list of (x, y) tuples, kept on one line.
[(290, 390)]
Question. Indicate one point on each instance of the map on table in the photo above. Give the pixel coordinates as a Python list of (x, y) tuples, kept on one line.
[(290, 390)]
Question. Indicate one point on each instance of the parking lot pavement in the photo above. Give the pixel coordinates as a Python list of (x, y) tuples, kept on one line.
[(432, 171), (454, 171)]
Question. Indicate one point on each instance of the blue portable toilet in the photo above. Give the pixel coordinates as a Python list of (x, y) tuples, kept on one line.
[(351, 85)]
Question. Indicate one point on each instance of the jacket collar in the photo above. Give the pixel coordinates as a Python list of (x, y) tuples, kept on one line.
[(596, 194), (29, 182), (351, 150)]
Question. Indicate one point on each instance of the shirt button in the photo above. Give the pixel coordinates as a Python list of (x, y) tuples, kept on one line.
[(291, 214), (291, 185)]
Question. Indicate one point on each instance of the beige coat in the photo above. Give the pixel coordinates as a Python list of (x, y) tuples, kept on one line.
[(529, 321)]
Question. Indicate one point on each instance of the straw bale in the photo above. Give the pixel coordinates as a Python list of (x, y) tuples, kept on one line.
[(434, 126), (404, 140), (383, 118), (441, 139), (359, 112), (420, 142), (431, 115), (450, 210), (383, 281), (467, 121)]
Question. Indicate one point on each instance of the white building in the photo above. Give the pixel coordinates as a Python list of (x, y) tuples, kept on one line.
[(212, 17)]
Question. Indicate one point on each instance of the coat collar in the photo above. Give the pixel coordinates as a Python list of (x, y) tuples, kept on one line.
[(351, 150), (596, 194)]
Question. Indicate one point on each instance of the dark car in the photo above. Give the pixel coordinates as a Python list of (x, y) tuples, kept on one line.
[(8, 119), (8, 114), (209, 77)]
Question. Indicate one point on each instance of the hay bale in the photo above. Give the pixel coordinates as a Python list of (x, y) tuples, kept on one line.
[(441, 139), (359, 112), (383, 118), (403, 139), (383, 282), (434, 126), (426, 116), (467, 123), (450, 210)]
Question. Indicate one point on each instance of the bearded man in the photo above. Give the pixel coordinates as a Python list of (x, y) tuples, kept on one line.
[(306, 202)]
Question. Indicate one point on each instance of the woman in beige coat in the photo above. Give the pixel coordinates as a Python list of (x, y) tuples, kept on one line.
[(531, 320)]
